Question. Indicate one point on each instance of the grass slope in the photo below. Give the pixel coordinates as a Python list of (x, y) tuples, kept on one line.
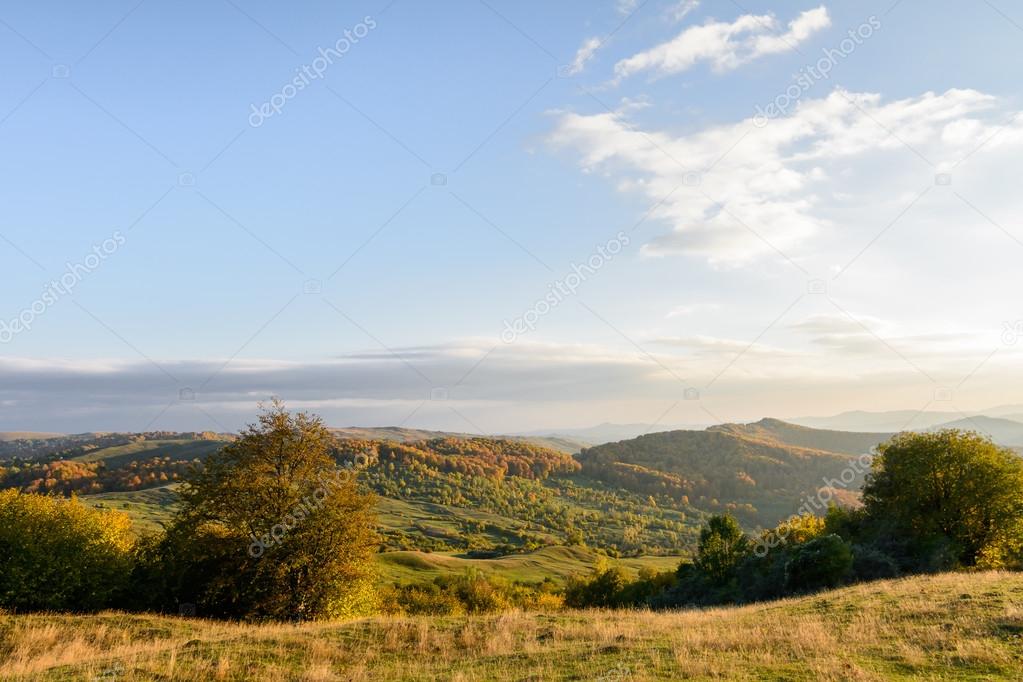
[(27, 435), (176, 449), (944, 627), (556, 563), (149, 509)]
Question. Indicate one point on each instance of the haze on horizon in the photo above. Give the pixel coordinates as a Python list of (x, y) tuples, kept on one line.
[(502, 217)]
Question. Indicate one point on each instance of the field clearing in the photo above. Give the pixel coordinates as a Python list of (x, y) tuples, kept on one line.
[(177, 449), (944, 627), (556, 563)]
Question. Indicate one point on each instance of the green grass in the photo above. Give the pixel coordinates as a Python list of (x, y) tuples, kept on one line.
[(557, 563), (149, 509), (942, 627)]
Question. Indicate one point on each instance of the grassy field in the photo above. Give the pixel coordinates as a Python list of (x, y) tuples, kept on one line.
[(944, 627), (148, 509), (556, 563), (177, 449)]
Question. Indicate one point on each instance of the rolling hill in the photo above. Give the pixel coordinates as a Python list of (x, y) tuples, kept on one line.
[(648, 495), (777, 431), (744, 469)]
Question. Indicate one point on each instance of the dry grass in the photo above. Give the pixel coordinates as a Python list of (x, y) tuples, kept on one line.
[(953, 626)]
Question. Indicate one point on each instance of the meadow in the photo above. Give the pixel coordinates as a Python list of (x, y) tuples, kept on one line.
[(962, 626)]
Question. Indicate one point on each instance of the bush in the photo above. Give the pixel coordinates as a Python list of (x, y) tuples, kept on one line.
[(870, 563), (60, 555), (602, 589), (472, 592), (820, 563)]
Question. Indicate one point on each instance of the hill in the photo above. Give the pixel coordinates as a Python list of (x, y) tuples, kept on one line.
[(777, 431), (448, 494), (745, 470), (27, 435), (481, 493), (938, 627)]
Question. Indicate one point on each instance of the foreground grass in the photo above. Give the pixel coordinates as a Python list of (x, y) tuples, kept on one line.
[(951, 626)]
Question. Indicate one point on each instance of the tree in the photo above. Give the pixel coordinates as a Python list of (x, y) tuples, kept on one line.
[(270, 527), (59, 555), (954, 494), (723, 545)]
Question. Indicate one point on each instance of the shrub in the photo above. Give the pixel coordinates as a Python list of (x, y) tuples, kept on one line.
[(603, 588), (58, 554), (870, 563), (820, 563), (471, 592)]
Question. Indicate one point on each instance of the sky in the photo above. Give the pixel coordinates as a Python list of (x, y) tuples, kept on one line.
[(494, 216)]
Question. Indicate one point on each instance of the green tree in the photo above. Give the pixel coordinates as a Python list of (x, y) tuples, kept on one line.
[(271, 528), (59, 555), (951, 493), (723, 545)]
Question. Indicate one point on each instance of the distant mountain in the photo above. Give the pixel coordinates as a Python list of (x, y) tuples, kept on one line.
[(608, 432), (877, 422), (1002, 431)]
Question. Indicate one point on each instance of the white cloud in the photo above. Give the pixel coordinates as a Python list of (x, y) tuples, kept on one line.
[(725, 45), (626, 6), (682, 9), (585, 53), (735, 192)]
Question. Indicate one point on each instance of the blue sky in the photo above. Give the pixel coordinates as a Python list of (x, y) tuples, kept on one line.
[(360, 251)]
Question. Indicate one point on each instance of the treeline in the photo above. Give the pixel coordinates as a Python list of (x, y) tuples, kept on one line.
[(77, 445), (467, 456), (932, 502), (67, 477)]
